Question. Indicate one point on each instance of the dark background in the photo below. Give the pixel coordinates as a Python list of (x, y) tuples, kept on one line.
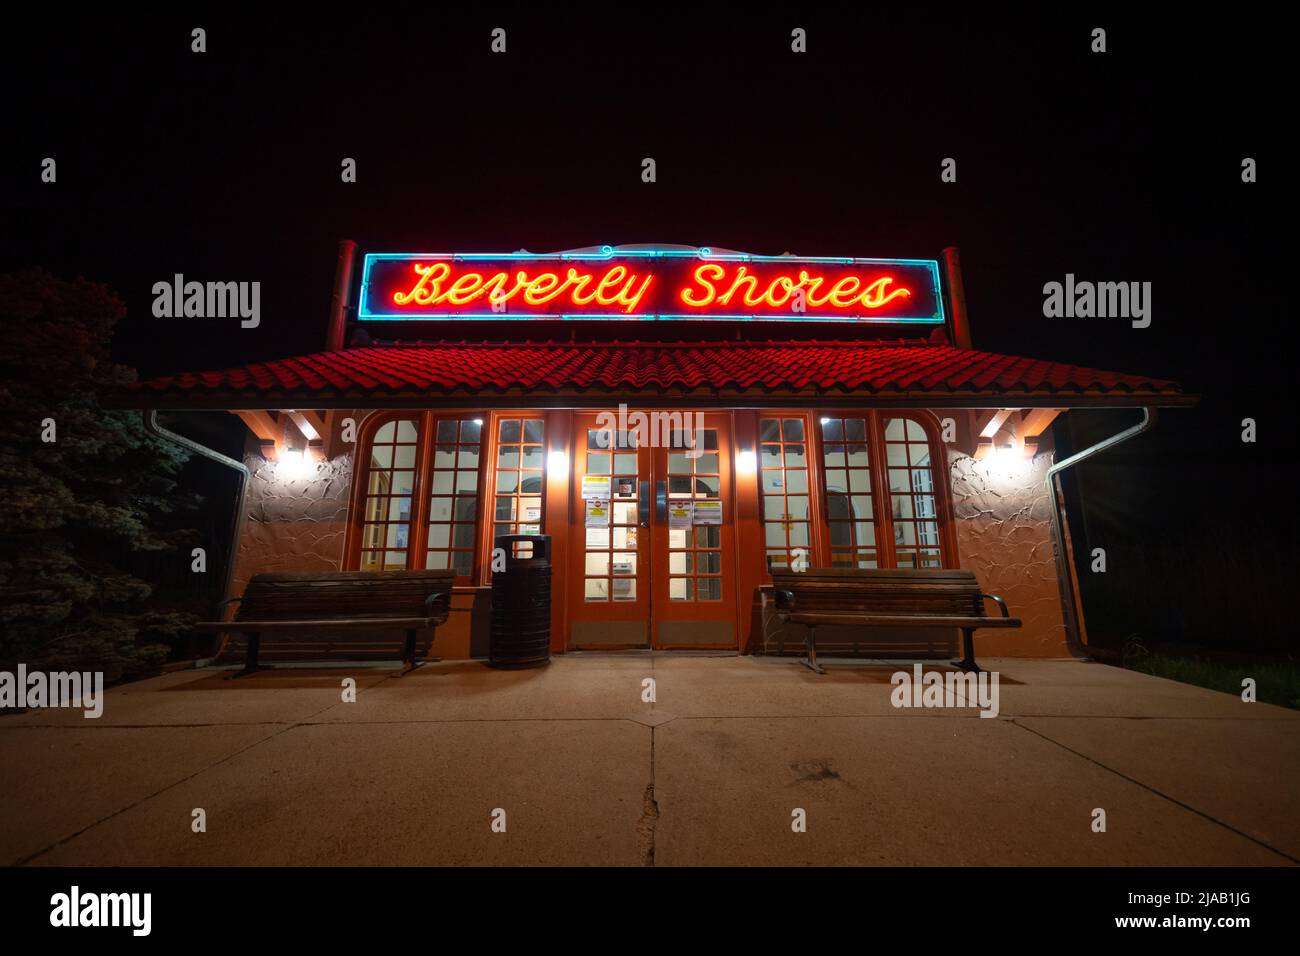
[(1122, 166)]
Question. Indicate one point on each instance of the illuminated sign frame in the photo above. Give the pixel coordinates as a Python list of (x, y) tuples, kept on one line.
[(828, 287)]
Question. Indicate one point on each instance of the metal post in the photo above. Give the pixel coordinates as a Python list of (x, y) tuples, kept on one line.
[(339, 303), (957, 298)]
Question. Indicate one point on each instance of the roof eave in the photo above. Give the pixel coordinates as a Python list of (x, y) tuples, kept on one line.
[(516, 398)]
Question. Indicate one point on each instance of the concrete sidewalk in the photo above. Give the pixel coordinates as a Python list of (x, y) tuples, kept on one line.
[(709, 774)]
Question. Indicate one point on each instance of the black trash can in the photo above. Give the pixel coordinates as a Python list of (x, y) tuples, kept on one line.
[(521, 604)]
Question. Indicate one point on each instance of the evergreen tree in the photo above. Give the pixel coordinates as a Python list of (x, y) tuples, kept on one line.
[(74, 510)]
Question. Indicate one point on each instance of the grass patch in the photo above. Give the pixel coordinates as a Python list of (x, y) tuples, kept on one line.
[(1275, 683)]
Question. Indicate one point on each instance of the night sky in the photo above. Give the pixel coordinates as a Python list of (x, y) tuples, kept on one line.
[(1122, 166)]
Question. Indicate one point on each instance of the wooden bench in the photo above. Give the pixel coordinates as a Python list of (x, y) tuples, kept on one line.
[(886, 597), (364, 601)]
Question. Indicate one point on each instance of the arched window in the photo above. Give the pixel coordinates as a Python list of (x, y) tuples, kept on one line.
[(386, 510), (913, 512), (417, 497), (846, 457)]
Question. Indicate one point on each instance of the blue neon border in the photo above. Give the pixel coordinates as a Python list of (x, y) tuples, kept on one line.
[(609, 252)]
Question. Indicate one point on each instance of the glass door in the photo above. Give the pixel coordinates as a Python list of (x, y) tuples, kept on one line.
[(653, 515), (611, 508), (694, 582)]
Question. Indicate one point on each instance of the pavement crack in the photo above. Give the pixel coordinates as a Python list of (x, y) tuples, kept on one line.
[(649, 822)]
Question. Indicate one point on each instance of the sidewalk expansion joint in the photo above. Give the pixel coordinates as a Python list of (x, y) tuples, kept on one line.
[(1159, 793)]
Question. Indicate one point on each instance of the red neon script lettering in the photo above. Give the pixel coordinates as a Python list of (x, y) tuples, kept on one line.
[(616, 286), (744, 289)]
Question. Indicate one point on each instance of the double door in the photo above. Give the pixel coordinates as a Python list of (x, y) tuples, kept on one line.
[(653, 512)]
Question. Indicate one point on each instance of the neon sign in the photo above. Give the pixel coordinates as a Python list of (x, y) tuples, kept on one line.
[(640, 283)]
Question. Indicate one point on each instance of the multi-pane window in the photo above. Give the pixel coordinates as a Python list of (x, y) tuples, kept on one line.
[(520, 477), (386, 512), (878, 505), (850, 516), (439, 455), (695, 552), (611, 551), (783, 481), (911, 494), (453, 495)]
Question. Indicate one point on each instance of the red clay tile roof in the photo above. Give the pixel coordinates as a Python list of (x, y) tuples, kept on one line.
[(913, 370)]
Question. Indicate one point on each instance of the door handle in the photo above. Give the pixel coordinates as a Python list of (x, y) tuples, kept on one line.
[(643, 503), (661, 501)]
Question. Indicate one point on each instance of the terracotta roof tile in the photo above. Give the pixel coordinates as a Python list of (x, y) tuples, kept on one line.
[(881, 368)]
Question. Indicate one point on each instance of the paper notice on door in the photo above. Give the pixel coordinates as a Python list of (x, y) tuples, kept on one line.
[(595, 487), (708, 512), (679, 514), (597, 514), (532, 513)]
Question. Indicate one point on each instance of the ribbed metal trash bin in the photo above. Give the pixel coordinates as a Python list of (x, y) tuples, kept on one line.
[(521, 605)]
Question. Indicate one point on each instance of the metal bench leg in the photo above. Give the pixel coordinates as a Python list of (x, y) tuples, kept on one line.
[(251, 666), (810, 661), (967, 663), (408, 652)]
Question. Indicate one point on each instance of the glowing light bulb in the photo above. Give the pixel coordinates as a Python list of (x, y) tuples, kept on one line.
[(292, 464)]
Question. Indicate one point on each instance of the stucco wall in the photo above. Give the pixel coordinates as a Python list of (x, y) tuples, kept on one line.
[(1004, 534), (293, 524)]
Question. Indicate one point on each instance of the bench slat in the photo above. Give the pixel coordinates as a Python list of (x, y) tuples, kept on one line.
[(374, 624), (904, 620), (344, 594)]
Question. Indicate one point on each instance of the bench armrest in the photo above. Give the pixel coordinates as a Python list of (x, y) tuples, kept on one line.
[(784, 599), (1000, 603), (228, 602), (438, 604)]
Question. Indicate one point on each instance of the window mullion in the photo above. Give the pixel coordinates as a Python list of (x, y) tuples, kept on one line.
[(417, 556), (818, 521), (883, 504)]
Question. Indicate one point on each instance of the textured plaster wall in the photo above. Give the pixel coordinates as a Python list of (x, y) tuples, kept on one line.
[(1004, 534), (293, 524)]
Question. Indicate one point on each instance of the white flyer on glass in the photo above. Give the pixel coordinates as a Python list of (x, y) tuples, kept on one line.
[(597, 514), (595, 487), (679, 514), (708, 512)]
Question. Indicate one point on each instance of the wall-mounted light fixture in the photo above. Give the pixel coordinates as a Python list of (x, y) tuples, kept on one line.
[(557, 463), (746, 462), (293, 464)]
